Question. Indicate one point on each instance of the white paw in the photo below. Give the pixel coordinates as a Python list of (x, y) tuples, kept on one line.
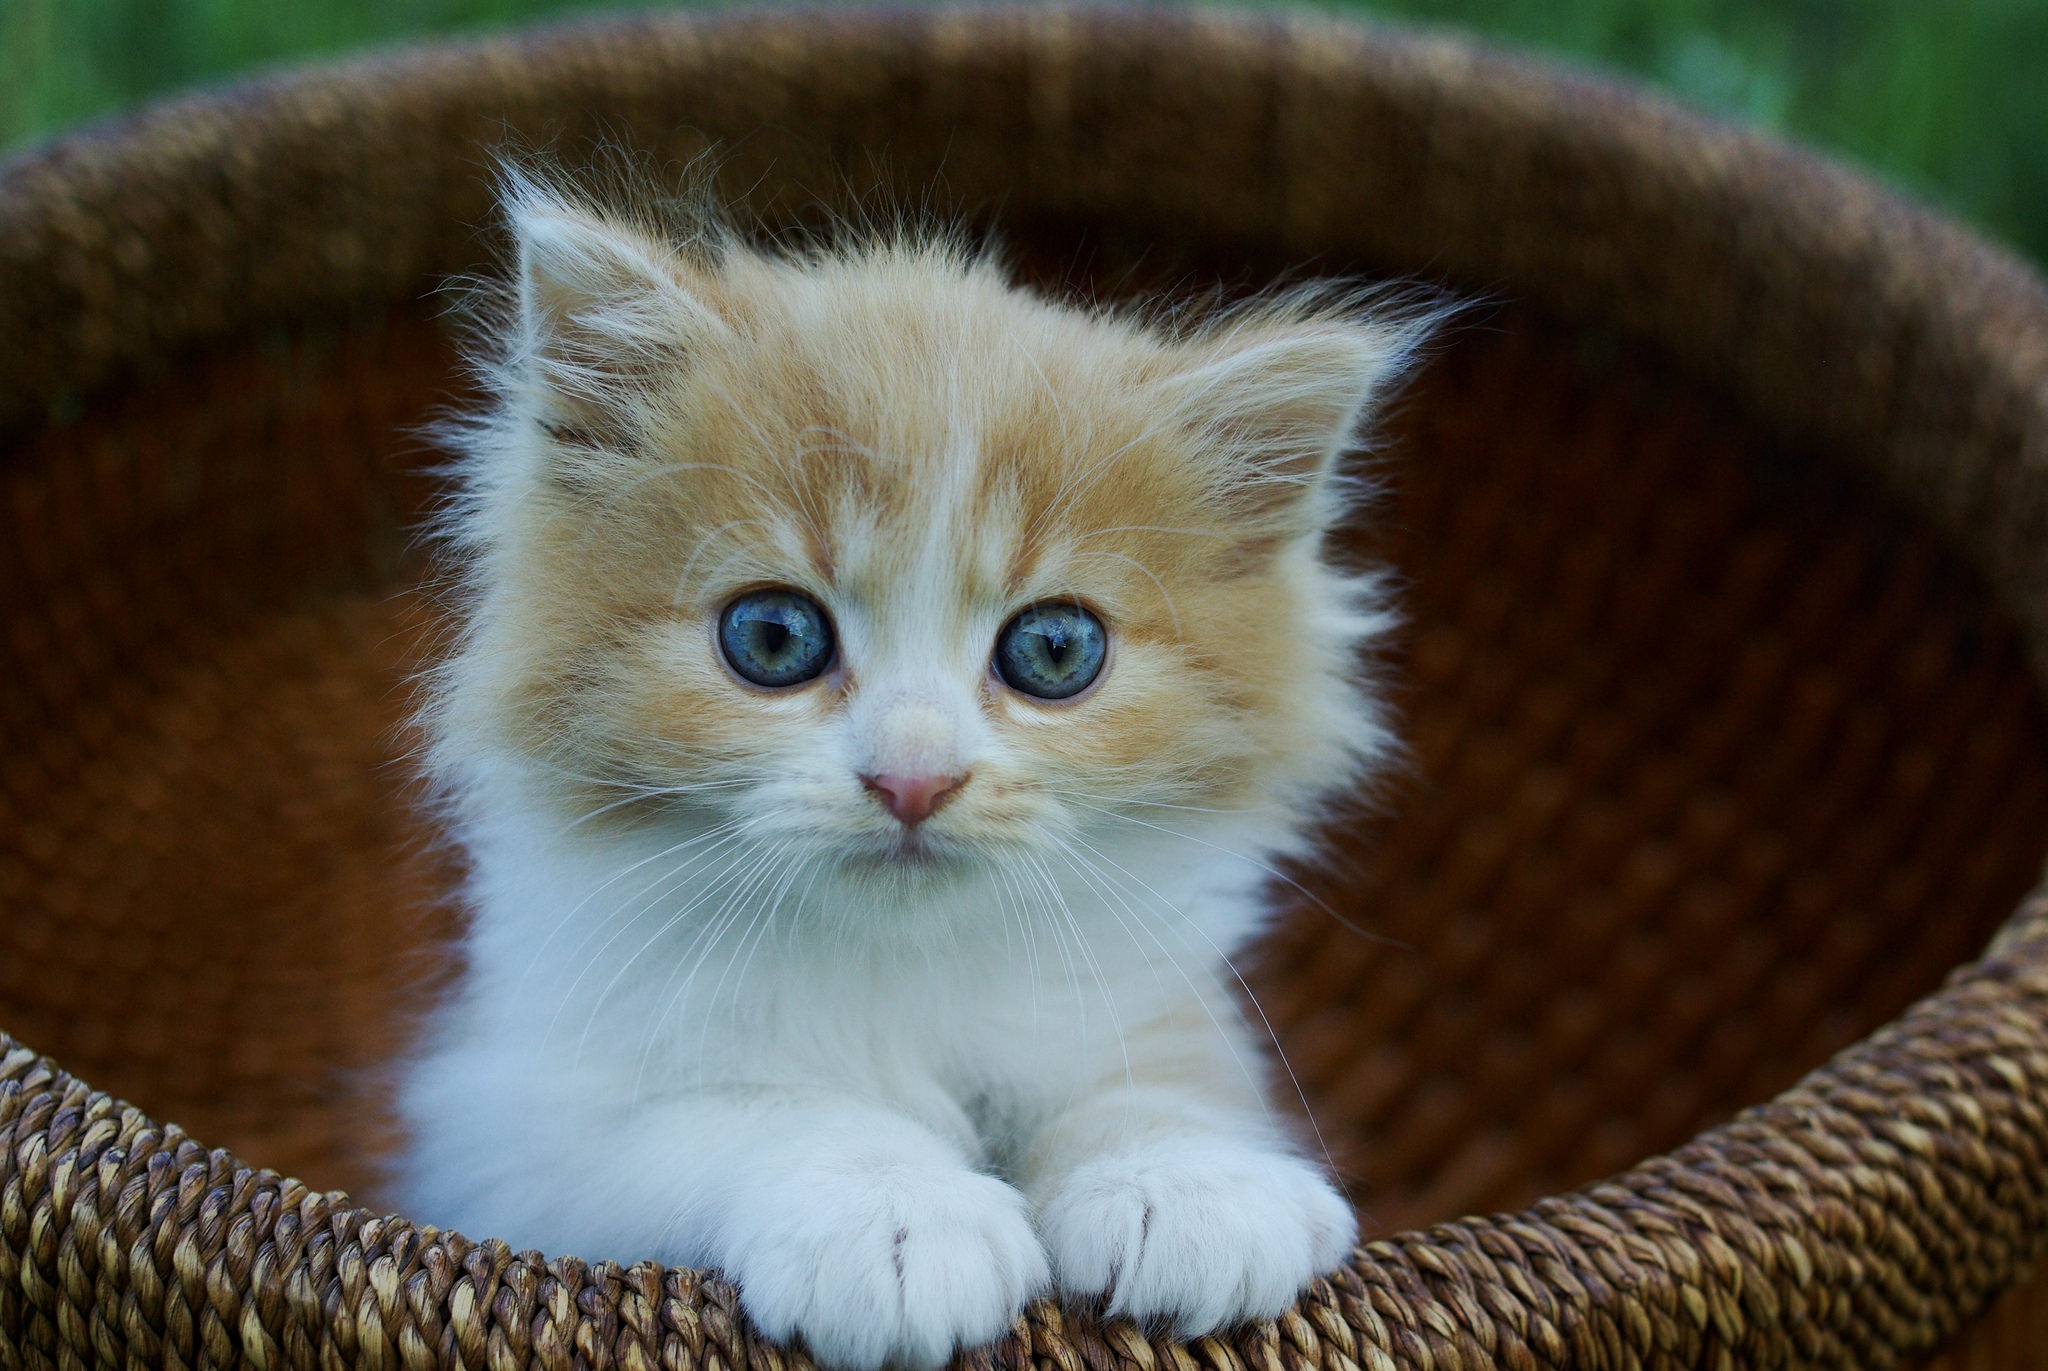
[(1194, 1235), (888, 1264)]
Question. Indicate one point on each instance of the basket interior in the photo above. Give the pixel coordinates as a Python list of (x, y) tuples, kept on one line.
[(1717, 762)]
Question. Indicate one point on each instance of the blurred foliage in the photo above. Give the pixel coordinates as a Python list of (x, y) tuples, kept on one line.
[(1946, 97)]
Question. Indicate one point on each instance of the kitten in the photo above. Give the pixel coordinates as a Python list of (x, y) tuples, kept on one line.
[(882, 694)]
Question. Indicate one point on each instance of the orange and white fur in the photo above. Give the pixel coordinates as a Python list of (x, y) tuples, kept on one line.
[(898, 992)]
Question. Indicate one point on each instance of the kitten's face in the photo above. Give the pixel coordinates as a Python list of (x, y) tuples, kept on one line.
[(764, 548)]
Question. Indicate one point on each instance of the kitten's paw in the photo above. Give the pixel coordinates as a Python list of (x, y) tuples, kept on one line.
[(1194, 1235), (890, 1264)]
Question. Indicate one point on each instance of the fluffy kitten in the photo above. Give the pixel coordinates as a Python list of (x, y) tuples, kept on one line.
[(883, 692)]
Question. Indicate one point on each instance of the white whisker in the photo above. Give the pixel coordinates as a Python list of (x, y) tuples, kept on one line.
[(1267, 867), (1222, 957)]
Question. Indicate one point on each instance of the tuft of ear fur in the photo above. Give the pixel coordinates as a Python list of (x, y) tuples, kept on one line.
[(1278, 391), (606, 310)]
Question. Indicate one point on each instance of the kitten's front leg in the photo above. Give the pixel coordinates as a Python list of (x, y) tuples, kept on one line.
[(862, 1231), (1188, 1211)]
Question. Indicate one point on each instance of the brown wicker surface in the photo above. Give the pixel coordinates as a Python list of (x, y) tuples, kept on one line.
[(1722, 759)]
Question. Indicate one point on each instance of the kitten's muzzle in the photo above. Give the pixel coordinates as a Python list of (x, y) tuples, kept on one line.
[(912, 799)]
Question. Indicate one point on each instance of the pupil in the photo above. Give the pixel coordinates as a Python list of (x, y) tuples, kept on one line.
[(774, 637)]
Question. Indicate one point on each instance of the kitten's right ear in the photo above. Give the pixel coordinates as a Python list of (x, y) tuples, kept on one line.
[(605, 311)]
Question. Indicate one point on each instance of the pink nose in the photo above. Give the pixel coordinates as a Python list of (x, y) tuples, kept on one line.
[(913, 799)]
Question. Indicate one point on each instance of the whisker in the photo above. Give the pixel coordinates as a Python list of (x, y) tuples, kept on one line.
[(646, 901), (1109, 1007), (681, 593), (715, 928), (1272, 1035), (1215, 533), (1154, 804), (575, 910), (1267, 867), (1172, 610)]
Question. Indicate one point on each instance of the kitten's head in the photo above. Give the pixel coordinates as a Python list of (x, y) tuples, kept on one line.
[(869, 553)]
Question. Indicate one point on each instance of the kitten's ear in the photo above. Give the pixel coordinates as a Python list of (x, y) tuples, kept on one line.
[(605, 310), (1279, 402)]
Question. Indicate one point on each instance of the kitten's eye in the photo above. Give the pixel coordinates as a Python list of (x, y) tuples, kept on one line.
[(1051, 651), (776, 638)]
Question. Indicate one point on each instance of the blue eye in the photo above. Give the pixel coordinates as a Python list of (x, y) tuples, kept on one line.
[(776, 638), (1051, 650)]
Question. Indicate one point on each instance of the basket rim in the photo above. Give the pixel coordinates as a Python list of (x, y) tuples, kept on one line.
[(1878, 1204)]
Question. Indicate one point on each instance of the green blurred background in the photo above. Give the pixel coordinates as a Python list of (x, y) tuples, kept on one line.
[(1948, 98)]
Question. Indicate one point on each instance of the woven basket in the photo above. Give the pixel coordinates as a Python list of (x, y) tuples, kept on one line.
[(1725, 546)]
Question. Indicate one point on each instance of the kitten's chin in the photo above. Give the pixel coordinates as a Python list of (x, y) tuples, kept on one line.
[(913, 856)]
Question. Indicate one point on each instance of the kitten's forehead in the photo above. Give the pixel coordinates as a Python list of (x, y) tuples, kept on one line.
[(949, 456)]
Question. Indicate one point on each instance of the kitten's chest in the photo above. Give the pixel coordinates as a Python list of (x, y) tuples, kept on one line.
[(993, 1028)]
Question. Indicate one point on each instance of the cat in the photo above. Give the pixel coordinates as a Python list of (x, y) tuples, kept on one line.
[(881, 697)]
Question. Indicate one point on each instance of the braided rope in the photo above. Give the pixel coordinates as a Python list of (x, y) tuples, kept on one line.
[(1856, 1219)]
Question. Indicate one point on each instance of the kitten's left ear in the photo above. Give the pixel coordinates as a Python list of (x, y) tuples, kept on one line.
[(1279, 403), (605, 309)]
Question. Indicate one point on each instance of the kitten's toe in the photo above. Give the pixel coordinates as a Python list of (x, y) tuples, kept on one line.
[(896, 1266), (1195, 1235)]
